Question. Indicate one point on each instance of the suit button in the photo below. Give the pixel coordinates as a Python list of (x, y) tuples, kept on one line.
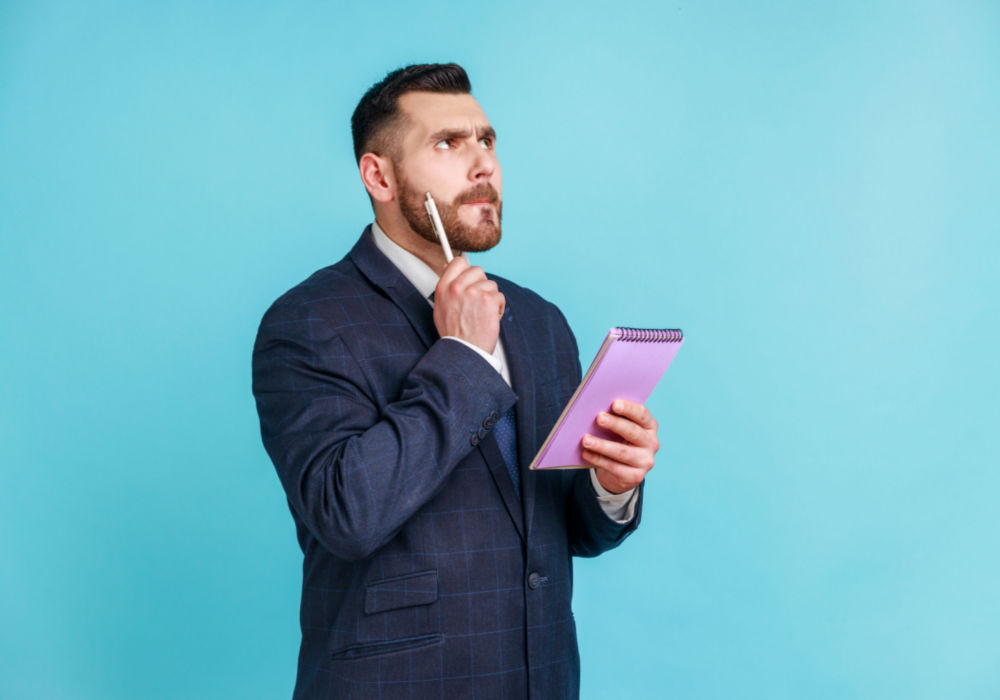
[(474, 440), (482, 434), (534, 580), (491, 420)]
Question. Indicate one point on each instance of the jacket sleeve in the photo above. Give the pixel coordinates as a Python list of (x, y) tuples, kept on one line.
[(355, 471), (591, 531)]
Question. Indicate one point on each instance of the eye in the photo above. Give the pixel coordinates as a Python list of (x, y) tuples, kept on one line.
[(443, 145), (486, 142)]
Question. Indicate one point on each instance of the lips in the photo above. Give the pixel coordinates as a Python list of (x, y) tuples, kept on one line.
[(481, 194)]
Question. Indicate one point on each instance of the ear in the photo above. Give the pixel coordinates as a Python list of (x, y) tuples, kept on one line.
[(378, 176)]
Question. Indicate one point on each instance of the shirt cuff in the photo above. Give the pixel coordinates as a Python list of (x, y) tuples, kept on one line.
[(620, 507), (494, 362)]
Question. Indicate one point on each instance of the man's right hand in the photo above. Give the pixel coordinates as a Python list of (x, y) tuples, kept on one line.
[(467, 305)]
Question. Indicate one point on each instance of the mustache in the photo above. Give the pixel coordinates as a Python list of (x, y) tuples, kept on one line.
[(484, 191)]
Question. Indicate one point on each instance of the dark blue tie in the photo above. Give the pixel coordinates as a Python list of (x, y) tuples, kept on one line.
[(505, 432)]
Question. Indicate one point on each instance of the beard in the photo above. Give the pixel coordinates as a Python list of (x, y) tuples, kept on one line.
[(475, 238)]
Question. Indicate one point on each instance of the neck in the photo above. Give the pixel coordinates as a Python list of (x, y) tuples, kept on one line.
[(399, 231)]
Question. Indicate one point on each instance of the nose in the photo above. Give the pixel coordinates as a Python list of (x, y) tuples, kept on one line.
[(484, 164)]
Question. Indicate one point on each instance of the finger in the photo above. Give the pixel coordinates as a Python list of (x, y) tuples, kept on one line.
[(455, 286), (464, 279), (636, 412), (630, 430), (628, 455), (628, 477), (472, 275), (484, 289), (489, 288), (456, 267), (485, 285)]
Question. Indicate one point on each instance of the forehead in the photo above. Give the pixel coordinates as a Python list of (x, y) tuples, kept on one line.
[(428, 112)]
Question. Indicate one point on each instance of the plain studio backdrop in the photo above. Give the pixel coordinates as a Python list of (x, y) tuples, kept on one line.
[(809, 190)]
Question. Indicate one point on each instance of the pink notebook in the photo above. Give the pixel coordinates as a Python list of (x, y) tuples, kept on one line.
[(629, 365)]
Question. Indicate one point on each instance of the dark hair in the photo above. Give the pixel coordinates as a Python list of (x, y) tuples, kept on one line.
[(377, 113)]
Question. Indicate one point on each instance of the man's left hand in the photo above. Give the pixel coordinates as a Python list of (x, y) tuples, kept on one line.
[(623, 466)]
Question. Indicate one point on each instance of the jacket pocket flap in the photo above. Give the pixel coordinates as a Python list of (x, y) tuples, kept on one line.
[(406, 591), (365, 650)]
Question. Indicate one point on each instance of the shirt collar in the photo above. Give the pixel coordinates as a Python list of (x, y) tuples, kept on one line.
[(419, 274)]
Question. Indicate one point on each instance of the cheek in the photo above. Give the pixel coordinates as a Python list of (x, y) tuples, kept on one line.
[(498, 178), (420, 167), (437, 177), (419, 174)]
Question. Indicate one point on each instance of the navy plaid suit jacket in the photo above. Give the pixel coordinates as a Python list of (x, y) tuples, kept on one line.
[(424, 575)]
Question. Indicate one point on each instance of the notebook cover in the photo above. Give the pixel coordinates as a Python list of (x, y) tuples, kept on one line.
[(629, 365)]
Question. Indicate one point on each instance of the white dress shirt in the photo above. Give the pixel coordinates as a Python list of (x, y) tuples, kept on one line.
[(618, 506)]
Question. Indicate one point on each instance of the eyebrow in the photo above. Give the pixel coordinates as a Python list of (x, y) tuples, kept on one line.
[(462, 133)]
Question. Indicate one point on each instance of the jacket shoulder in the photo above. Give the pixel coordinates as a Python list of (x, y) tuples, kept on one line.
[(530, 307), (525, 299), (325, 286)]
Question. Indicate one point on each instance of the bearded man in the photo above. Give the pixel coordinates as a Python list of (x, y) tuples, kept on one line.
[(401, 399)]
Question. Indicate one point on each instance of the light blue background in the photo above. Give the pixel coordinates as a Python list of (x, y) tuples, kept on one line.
[(810, 190)]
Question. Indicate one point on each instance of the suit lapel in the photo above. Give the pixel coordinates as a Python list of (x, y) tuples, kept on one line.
[(383, 274), (498, 470)]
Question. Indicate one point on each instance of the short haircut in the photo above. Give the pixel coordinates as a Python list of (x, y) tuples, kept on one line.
[(377, 116)]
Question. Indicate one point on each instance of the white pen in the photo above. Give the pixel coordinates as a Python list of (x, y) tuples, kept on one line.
[(432, 211)]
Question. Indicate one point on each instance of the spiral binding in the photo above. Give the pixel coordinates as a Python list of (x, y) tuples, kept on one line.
[(649, 335)]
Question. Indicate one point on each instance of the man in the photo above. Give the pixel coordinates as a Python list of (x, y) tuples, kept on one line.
[(401, 400)]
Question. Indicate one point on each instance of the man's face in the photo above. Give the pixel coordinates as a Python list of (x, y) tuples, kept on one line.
[(448, 150)]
